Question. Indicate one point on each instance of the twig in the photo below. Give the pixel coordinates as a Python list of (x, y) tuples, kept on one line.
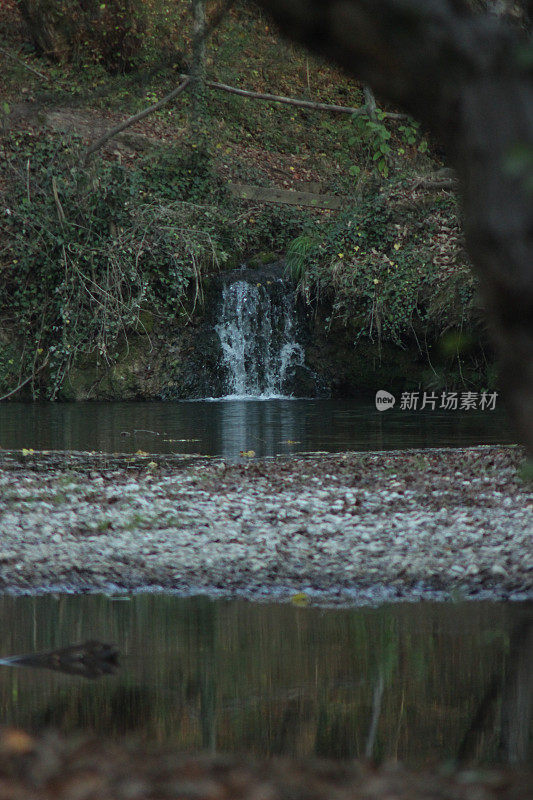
[(23, 383), (23, 64), (136, 118), (60, 212)]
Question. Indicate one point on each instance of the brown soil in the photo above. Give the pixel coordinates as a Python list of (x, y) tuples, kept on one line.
[(49, 767)]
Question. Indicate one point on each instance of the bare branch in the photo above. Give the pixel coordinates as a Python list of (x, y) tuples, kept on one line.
[(136, 118), (275, 98), (24, 382), (23, 64)]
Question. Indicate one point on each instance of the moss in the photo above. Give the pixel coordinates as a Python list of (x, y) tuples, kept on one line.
[(145, 323), (124, 379), (80, 383), (262, 258)]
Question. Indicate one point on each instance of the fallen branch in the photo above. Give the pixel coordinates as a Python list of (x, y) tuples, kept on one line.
[(275, 98), (23, 64), (136, 118), (442, 179), (187, 79)]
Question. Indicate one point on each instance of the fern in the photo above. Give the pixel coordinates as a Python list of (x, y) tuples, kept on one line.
[(298, 257)]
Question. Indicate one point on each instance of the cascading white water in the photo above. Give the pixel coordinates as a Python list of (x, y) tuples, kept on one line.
[(257, 333)]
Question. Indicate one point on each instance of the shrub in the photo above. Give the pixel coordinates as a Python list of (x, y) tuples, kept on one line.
[(84, 252), (111, 31), (390, 273)]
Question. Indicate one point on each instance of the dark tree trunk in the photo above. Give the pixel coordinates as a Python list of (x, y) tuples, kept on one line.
[(45, 27), (465, 78), (111, 31)]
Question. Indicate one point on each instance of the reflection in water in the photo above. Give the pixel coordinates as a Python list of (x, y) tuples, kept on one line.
[(268, 427), (87, 660), (514, 696), (265, 427), (407, 681)]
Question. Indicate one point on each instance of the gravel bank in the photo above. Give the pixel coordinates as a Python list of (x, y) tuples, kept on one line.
[(342, 528)]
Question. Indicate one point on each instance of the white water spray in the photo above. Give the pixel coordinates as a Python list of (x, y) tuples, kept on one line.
[(257, 332)]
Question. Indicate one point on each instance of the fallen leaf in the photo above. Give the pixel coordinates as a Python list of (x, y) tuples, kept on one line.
[(300, 599), (16, 742)]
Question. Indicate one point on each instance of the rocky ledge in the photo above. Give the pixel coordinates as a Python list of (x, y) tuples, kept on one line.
[(349, 527)]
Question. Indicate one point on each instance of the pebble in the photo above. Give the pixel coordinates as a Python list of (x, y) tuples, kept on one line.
[(271, 526)]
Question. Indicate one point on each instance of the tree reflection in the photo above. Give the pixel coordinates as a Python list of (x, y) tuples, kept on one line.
[(512, 693), (400, 682), (89, 660)]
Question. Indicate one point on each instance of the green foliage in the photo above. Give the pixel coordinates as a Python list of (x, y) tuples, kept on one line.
[(85, 252), (146, 233), (375, 136), (10, 366), (380, 148), (385, 281), (179, 174), (298, 256), (109, 32)]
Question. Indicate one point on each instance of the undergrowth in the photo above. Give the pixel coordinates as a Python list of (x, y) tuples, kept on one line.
[(392, 274), (85, 251)]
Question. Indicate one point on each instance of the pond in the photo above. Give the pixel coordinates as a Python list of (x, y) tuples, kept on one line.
[(419, 682), (224, 428)]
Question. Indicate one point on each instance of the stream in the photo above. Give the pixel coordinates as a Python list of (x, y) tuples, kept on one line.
[(227, 427), (406, 681)]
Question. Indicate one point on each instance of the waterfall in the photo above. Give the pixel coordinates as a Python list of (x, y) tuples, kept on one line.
[(257, 332)]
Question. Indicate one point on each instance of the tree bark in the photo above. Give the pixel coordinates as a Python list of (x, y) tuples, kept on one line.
[(463, 77), (45, 28)]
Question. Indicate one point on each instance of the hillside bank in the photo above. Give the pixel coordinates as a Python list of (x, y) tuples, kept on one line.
[(107, 267)]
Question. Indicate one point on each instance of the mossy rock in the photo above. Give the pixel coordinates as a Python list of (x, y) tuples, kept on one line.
[(125, 379), (145, 323), (260, 259), (80, 383)]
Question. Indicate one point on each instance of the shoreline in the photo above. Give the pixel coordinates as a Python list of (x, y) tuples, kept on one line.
[(340, 528)]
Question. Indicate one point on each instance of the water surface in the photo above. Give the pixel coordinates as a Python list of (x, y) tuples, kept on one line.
[(224, 428), (419, 682)]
